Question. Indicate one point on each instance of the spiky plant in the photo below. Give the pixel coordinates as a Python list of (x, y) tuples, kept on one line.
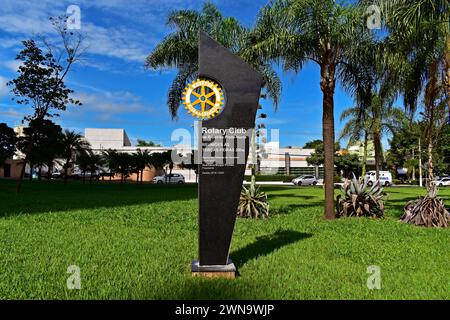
[(428, 211), (253, 203), (357, 200)]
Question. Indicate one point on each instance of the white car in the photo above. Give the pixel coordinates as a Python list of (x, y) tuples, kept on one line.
[(442, 182), (385, 178), (174, 178), (305, 180)]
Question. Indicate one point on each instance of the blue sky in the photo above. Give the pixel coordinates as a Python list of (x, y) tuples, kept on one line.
[(116, 90)]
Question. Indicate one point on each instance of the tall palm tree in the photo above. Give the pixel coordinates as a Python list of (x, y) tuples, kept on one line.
[(320, 31), (72, 144), (356, 128), (110, 159), (421, 28), (141, 160), (376, 120), (83, 161), (180, 50), (419, 37)]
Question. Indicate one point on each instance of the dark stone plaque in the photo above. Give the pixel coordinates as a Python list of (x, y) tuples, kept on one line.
[(224, 145)]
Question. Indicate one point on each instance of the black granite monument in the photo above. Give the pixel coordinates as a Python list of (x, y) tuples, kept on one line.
[(221, 176)]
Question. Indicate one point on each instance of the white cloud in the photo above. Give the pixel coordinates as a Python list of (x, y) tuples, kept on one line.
[(106, 104), (12, 65), (3, 87)]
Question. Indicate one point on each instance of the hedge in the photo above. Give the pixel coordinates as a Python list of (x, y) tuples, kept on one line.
[(274, 177)]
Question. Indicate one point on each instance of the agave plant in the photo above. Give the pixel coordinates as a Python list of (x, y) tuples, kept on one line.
[(428, 211), (253, 203), (357, 200)]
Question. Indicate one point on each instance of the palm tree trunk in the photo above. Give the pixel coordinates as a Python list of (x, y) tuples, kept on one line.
[(66, 172), (430, 162), (84, 177), (327, 85), (110, 176), (142, 176), (364, 160), (40, 173), (378, 152), (447, 73)]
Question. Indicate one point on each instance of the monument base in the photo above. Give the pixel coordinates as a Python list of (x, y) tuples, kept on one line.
[(227, 271)]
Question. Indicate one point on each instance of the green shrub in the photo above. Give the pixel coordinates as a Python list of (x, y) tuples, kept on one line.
[(272, 177), (357, 200), (253, 203)]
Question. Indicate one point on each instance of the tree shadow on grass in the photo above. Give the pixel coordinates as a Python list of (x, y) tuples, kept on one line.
[(225, 289), (267, 244), (43, 197)]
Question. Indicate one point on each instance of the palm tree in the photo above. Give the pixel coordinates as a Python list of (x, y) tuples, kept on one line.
[(72, 144), (95, 163), (420, 38), (421, 29), (321, 31), (110, 159), (83, 162), (180, 49), (356, 128), (141, 160)]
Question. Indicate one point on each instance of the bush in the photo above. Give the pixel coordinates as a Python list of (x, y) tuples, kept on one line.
[(253, 203), (427, 212), (357, 200), (397, 181), (274, 177)]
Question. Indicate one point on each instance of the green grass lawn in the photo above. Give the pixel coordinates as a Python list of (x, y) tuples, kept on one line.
[(137, 242)]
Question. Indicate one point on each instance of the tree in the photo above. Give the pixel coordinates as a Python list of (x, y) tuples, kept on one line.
[(110, 157), (327, 33), (45, 136), (41, 80), (141, 159), (83, 162), (313, 144), (348, 164), (7, 143), (143, 143), (73, 144), (124, 165), (419, 37), (404, 147), (356, 128), (180, 50)]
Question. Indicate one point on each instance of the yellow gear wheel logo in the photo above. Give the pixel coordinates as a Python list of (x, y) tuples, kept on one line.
[(203, 99)]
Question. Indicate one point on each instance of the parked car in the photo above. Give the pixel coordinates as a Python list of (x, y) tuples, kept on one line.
[(385, 178), (441, 182), (305, 181), (174, 178)]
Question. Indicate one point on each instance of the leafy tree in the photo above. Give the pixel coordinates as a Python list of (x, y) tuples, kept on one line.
[(180, 49), (7, 143), (73, 144), (403, 150), (313, 144), (143, 143), (325, 32), (317, 158), (45, 136), (40, 83), (347, 163)]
